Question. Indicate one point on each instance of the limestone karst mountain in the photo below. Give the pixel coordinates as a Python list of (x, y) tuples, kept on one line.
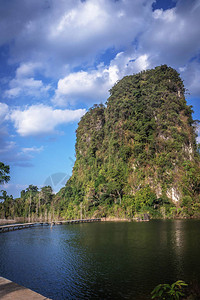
[(138, 153)]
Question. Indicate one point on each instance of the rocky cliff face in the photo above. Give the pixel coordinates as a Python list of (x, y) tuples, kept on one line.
[(139, 151)]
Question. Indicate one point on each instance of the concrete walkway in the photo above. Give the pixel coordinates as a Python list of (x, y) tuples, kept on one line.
[(12, 291)]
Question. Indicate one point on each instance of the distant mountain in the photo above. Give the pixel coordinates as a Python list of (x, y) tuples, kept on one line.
[(137, 154)]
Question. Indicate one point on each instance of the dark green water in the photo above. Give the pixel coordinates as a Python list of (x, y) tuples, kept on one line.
[(102, 260)]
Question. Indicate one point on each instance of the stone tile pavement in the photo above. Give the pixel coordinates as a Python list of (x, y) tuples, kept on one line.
[(12, 291)]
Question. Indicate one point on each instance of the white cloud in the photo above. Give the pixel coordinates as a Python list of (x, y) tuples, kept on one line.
[(3, 111), (84, 86), (63, 33), (57, 36), (33, 149), (11, 153), (94, 85), (41, 119), (172, 36), (198, 132), (24, 84), (167, 16), (27, 69), (27, 87), (191, 75)]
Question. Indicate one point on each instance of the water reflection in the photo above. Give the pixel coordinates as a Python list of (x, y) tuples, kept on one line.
[(101, 260), (178, 234)]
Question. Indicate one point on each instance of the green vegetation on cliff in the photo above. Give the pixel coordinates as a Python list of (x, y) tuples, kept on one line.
[(138, 153)]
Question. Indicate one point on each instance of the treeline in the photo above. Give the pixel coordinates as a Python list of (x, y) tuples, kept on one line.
[(110, 205), (44, 205), (33, 205)]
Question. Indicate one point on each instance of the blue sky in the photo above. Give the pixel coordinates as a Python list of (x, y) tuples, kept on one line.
[(58, 58)]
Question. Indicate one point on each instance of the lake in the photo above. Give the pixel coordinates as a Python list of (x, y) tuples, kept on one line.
[(104, 260)]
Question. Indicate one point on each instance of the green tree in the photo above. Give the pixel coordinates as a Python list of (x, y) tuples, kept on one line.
[(4, 171), (8, 205)]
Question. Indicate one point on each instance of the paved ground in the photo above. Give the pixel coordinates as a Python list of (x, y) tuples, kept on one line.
[(13, 291)]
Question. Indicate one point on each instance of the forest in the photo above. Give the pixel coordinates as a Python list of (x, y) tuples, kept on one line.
[(136, 154)]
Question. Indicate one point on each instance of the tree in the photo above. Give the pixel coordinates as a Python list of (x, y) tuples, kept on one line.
[(8, 205), (4, 171)]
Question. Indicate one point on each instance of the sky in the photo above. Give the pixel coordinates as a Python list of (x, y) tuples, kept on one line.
[(58, 58)]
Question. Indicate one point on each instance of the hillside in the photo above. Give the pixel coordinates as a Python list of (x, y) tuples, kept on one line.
[(138, 153)]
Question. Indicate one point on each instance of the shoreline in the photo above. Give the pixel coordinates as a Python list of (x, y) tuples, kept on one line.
[(6, 222), (104, 219), (115, 219)]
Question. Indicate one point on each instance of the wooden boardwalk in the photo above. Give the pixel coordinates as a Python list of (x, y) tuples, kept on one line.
[(12, 291), (11, 227)]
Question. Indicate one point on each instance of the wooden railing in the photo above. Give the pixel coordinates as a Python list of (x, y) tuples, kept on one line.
[(11, 227)]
